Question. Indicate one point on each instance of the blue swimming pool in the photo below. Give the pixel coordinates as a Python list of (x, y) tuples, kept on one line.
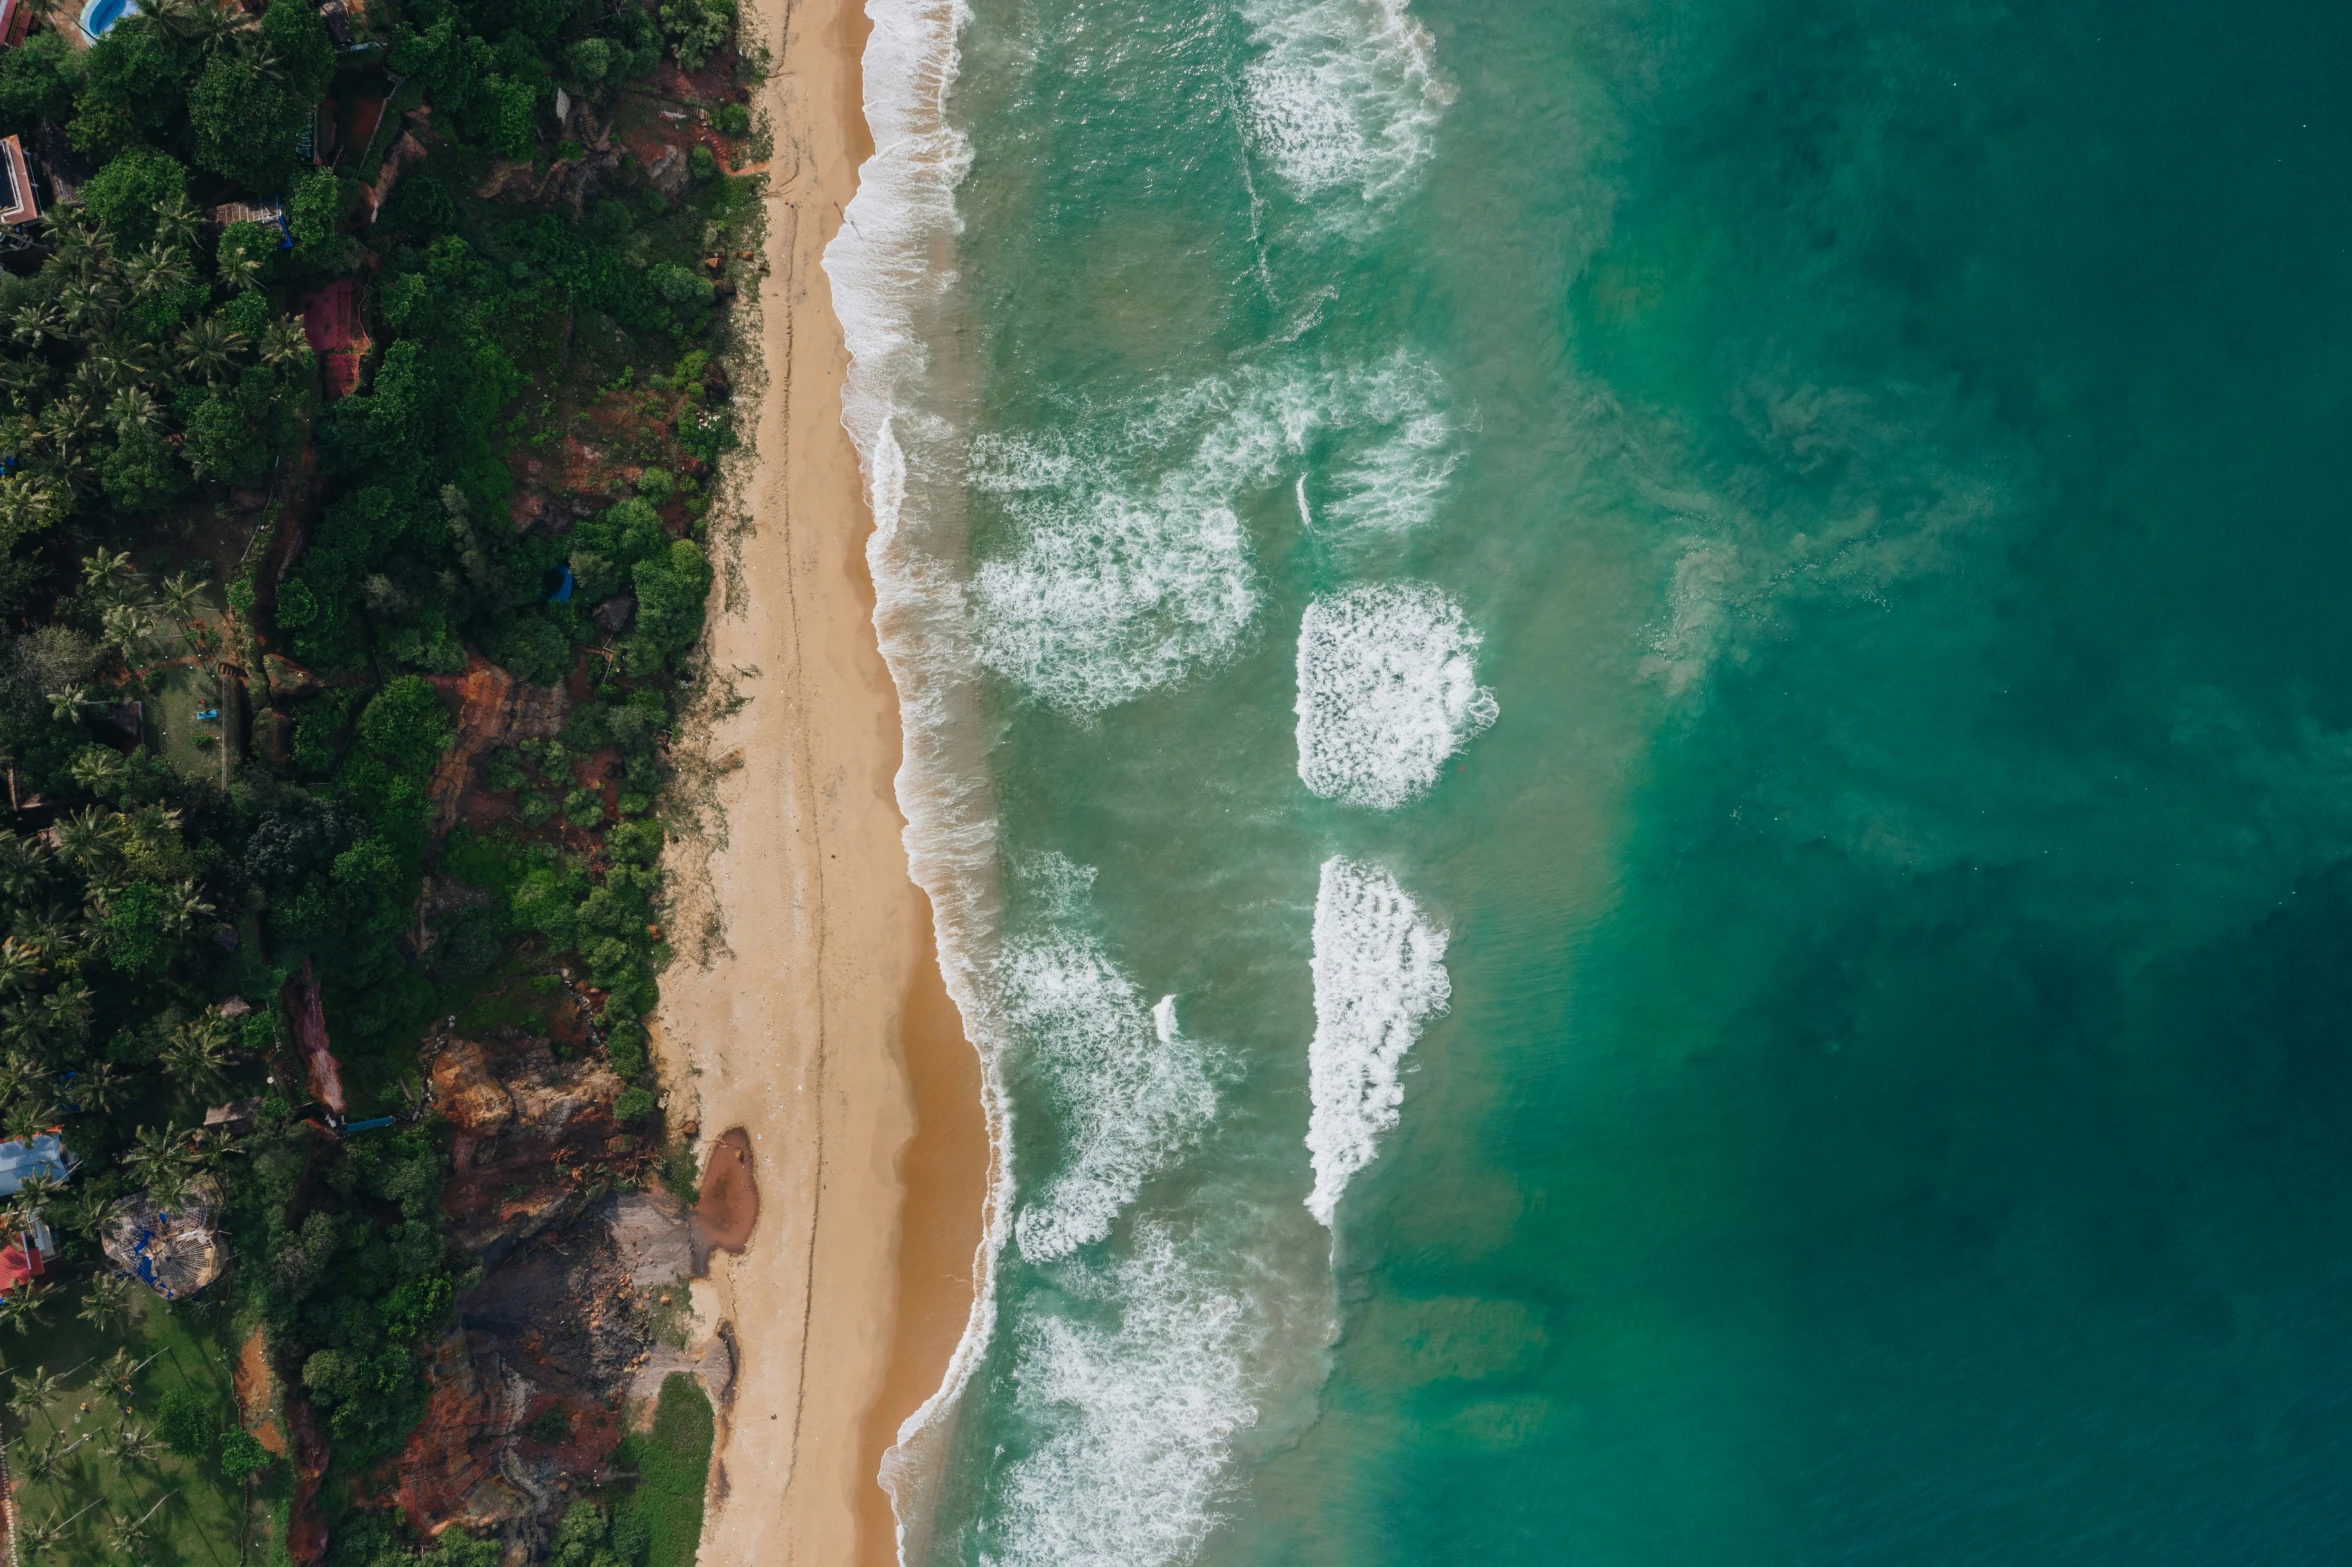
[(99, 15)]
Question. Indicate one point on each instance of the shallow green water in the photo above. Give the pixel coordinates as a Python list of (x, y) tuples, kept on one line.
[(1887, 1096)]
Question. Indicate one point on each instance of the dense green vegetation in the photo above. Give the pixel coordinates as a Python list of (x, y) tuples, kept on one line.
[(672, 1460), (225, 598)]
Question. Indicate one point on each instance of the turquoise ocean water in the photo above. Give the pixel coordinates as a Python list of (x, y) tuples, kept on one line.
[(1632, 728)]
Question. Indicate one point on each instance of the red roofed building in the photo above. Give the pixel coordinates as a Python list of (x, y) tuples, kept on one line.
[(332, 323), (23, 1259)]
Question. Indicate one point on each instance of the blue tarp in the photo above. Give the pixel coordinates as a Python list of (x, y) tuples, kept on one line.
[(563, 589), (42, 1155)]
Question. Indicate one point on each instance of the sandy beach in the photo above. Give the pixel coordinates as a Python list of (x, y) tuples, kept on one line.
[(817, 1021)]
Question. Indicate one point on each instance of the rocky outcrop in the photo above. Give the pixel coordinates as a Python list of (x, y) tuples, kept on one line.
[(533, 1139), (493, 709), (582, 1281)]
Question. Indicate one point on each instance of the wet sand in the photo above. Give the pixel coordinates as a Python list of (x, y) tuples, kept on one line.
[(819, 1025)]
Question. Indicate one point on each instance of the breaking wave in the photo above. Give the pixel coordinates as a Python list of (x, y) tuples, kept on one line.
[(1131, 568), (1380, 976), (1130, 1089), (1345, 95), (890, 290), (1387, 690), (1139, 1418)]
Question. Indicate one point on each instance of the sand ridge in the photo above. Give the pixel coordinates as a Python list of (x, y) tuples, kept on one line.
[(818, 1024)]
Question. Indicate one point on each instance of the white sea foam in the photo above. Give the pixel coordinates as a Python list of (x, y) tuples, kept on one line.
[(1387, 690), (1380, 976), (1345, 96), (890, 281), (1399, 450), (1139, 1418), (1130, 1091), (1118, 596), (1132, 569)]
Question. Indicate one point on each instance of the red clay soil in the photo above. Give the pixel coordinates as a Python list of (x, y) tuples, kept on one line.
[(310, 1034), (332, 323), (306, 1534), (730, 1196), (256, 1387)]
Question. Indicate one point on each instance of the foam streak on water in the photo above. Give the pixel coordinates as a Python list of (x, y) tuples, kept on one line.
[(1380, 976), (1386, 692), (1130, 1090), (1140, 1419)]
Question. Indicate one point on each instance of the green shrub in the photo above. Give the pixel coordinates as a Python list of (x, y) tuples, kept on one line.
[(697, 29), (242, 1456), (673, 1467), (188, 1421), (590, 59), (731, 119), (130, 189), (37, 82), (635, 1104), (584, 808)]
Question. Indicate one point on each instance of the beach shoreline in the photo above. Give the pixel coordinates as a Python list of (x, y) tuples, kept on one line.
[(817, 1020)]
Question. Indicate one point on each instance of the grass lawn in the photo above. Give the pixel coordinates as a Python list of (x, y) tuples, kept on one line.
[(673, 1464), (193, 1515)]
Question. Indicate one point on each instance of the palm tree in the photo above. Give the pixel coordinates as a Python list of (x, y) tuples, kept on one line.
[(124, 628), (125, 1536), (20, 962), (37, 1194), (209, 348), (66, 424), (91, 832), (177, 221), (209, 25), (135, 408), (29, 504), (182, 595), (198, 1052), (106, 1301), (34, 1389), (65, 706), (158, 269), (237, 271), (159, 1161), (283, 342), (20, 1309), (29, 1117), (133, 1442), (108, 575), (188, 905), (89, 303), (34, 1460), (99, 1089), (99, 770), (85, 1213), (24, 379), (35, 322), (38, 1539), (117, 1371)]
